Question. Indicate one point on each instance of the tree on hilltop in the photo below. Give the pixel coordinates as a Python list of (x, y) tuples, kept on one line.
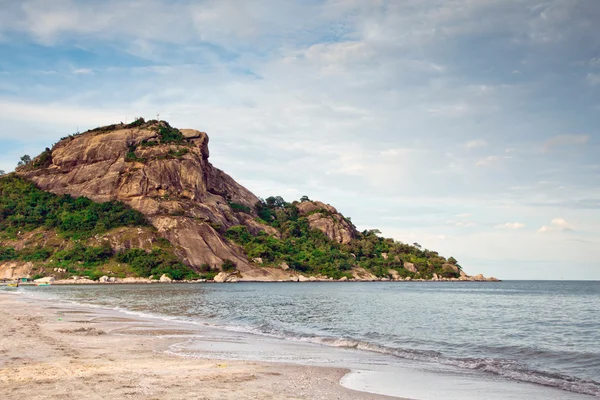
[(25, 160)]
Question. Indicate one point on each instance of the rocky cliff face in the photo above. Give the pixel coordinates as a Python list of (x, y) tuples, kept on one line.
[(326, 218), (172, 182)]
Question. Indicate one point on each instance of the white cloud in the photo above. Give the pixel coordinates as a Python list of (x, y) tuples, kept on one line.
[(461, 224), (511, 225), (562, 224), (450, 110), (83, 71), (562, 141), (557, 224), (487, 161), (66, 115), (473, 144), (464, 215), (396, 152)]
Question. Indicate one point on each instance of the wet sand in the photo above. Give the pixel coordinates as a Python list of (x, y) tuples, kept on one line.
[(56, 352)]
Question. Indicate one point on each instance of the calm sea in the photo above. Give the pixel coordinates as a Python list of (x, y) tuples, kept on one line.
[(543, 332)]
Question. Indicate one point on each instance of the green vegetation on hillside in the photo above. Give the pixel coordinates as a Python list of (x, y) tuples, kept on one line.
[(166, 135), (25, 208), (44, 160), (312, 252)]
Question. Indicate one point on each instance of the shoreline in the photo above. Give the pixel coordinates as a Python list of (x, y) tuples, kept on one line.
[(145, 281), (164, 346), (68, 351)]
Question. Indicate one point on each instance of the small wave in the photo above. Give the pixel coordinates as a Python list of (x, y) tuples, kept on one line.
[(506, 368)]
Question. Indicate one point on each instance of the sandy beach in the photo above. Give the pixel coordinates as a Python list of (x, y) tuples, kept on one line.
[(64, 352)]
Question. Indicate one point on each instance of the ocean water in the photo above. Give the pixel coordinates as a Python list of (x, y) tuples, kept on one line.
[(545, 333)]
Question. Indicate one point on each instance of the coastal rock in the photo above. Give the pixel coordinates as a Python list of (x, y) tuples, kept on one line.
[(221, 277), (325, 218), (103, 279), (343, 279), (134, 280), (410, 267), (361, 274), (302, 278), (85, 281), (15, 269), (165, 279), (450, 268), (284, 266)]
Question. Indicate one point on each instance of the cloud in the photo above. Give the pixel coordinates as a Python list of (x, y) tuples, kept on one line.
[(65, 115), (83, 71), (487, 161), (450, 110), (473, 144), (464, 215), (461, 224), (396, 152), (562, 224), (557, 224), (511, 225), (562, 141)]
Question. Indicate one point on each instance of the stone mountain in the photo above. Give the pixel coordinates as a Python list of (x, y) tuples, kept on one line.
[(165, 174)]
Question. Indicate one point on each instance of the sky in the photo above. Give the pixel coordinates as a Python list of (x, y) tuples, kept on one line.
[(471, 127)]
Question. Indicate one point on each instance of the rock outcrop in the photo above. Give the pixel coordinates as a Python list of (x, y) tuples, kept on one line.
[(326, 218), (410, 267), (173, 184)]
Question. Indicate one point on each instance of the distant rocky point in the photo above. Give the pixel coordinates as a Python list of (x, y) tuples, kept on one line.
[(160, 211)]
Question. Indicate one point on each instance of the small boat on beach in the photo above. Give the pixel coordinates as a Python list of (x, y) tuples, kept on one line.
[(43, 284), (13, 285)]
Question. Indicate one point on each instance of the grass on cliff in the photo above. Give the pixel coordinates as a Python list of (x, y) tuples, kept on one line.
[(312, 252), (24, 207)]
